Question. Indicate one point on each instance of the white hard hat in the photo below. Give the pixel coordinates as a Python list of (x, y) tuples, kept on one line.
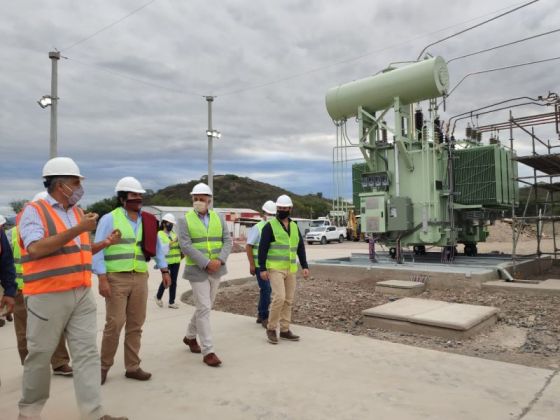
[(2, 220), (129, 184), (269, 207), (40, 196), (168, 217), (284, 201), (61, 166), (202, 189)]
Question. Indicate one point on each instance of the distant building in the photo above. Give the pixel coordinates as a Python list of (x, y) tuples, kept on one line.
[(239, 221)]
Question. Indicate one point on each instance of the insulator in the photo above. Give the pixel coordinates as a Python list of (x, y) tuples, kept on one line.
[(479, 137), (468, 132), (418, 122), (384, 135)]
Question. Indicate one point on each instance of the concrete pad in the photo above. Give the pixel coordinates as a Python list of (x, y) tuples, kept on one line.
[(545, 287), (546, 404), (403, 309), (400, 287), (326, 375), (432, 317)]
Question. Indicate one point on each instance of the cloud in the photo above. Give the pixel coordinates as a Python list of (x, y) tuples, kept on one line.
[(131, 97)]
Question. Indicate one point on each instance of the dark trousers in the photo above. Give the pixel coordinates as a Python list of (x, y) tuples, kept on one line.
[(173, 272), (264, 297)]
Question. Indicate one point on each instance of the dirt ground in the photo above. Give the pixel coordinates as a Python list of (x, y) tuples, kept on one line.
[(527, 332)]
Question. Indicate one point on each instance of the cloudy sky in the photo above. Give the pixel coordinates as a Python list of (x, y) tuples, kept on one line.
[(131, 97)]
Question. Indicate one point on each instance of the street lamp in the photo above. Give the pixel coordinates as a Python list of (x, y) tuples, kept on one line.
[(211, 134), (45, 101)]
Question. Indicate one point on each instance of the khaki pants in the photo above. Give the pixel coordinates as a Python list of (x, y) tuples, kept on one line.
[(283, 284), (48, 315), (204, 295), (60, 356), (126, 307)]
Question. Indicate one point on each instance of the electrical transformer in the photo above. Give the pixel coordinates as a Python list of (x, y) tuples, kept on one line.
[(417, 187)]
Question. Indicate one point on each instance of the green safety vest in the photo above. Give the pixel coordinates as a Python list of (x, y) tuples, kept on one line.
[(174, 254), (17, 258), (126, 255), (259, 226), (283, 251), (208, 241)]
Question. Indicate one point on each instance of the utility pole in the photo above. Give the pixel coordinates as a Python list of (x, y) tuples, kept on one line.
[(54, 56), (210, 134)]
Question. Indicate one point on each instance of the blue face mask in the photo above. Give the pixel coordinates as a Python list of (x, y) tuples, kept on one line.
[(75, 196)]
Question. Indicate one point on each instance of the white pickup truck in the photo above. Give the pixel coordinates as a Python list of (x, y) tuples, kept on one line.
[(325, 234)]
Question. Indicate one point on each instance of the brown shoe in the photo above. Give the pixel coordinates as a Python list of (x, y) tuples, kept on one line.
[(212, 360), (272, 337), (138, 374), (193, 345), (264, 323), (104, 375), (64, 370), (288, 335), (108, 417)]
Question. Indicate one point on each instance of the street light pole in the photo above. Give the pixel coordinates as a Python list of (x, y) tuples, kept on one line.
[(210, 99), (54, 56)]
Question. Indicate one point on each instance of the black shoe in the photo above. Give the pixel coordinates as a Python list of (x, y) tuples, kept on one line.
[(271, 336), (259, 320), (288, 335)]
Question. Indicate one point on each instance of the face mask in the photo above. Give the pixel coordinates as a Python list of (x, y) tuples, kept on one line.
[(168, 226), (75, 195), (283, 214), (133, 205), (200, 206)]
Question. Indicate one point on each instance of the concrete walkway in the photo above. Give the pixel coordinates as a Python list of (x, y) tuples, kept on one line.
[(327, 375)]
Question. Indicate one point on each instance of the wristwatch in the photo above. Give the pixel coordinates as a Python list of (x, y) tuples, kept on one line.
[(164, 271)]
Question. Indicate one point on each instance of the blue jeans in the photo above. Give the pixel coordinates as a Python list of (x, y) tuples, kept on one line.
[(173, 272), (264, 298)]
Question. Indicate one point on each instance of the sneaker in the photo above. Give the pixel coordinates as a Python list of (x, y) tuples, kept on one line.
[(138, 374), (193, 345), (64, 370), (159, 302), (271, 336), (212, 360), (173, 306), (288, 335)]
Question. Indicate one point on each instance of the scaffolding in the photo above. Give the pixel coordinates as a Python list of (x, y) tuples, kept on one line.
[(544, 182)]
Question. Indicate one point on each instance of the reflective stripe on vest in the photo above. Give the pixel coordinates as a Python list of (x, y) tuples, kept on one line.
[(67, 268), (174, 254), (208, 241), (17, 258), (283, 251), (259, 226), (127, 254)]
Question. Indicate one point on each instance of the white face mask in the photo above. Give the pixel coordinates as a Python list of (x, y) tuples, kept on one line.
[(200, 206)]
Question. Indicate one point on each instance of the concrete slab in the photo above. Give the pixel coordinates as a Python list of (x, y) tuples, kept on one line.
[(326, 375), (546, 404), (432, 317), (545, 287), (400, 287), (404, 309)]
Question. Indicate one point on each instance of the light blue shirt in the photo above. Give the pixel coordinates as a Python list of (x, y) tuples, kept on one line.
[(31, 228), (205, 219), (104, 229), (254, 236)]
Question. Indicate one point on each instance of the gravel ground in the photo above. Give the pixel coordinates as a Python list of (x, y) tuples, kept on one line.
[(527, 333)]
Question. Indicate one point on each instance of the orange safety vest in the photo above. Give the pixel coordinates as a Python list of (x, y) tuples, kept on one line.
[(65, 269)]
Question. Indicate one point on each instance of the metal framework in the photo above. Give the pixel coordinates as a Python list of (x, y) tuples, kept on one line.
[(544, 183)]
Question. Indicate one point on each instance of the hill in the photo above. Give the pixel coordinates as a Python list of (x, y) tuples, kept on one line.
[(229, 191)]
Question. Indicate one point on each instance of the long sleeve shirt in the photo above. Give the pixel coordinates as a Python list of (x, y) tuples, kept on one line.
[(104, 229), (7, 268), (267, 236)]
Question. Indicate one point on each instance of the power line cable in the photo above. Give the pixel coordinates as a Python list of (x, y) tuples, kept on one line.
[(475, 26), (501, 68), (108, 26), (355, 58), (503, 45), (176, 90)]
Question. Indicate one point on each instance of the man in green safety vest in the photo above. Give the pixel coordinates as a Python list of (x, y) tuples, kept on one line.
[(173, 258), (122, 270), (252, 249), (280, 243), (206, 242)]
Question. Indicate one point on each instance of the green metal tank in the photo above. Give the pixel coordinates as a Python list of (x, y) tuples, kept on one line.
[(416, 82)]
